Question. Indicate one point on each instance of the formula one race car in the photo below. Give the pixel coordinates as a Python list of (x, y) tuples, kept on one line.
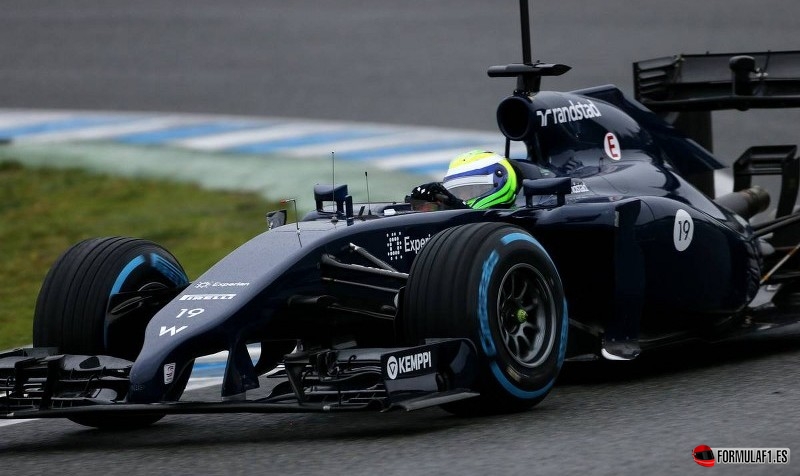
[(610, 246)]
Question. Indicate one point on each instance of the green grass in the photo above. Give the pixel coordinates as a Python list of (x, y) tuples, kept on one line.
[(44, 211)]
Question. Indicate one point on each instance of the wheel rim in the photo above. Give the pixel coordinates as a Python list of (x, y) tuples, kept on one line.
[(526, 315)]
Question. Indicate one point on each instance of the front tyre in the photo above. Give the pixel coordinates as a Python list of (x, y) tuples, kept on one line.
[(496, 285), (71, 308)]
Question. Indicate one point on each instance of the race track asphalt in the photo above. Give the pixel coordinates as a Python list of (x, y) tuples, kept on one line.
[(412, 63)]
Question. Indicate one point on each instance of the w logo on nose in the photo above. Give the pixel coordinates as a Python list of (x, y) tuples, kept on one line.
[(170, 330)]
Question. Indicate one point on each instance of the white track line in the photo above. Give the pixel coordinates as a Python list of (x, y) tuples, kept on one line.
[(355, 145), (412, 159), (111, 130), (253, 136), (22, 119)]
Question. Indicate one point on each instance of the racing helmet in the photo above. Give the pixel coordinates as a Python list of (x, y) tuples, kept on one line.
[(482, 179)]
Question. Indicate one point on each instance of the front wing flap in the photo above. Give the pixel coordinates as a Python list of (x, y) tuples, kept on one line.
[(40, 383)]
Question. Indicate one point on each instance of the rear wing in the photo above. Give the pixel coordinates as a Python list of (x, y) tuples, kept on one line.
[(711, 82), (685, 89)]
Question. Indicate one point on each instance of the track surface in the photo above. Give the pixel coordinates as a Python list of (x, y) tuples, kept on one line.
[(419, 63)]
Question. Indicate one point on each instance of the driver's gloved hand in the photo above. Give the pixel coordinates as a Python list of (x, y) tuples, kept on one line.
[(435, 192)]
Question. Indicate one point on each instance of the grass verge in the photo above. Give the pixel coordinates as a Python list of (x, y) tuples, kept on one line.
[(43, 211)]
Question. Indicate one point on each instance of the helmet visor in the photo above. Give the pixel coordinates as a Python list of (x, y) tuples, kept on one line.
[(467, 188)]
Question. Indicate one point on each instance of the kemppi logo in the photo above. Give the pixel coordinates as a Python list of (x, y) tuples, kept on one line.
[(398, 366)]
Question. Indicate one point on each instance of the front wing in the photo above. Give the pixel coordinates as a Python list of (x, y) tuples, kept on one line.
[(40, 383)]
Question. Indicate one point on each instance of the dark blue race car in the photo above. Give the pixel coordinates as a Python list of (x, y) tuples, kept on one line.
[(603, 242)]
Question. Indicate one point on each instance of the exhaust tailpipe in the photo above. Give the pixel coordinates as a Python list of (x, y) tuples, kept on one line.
[(745, 203)]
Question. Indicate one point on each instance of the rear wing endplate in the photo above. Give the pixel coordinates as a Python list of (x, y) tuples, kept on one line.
[(711, 82)]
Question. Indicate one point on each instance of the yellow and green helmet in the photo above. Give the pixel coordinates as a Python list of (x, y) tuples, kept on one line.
[(482, 179)]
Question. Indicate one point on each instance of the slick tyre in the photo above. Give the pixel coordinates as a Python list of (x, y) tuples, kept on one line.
[(71, 308), (496, 285)]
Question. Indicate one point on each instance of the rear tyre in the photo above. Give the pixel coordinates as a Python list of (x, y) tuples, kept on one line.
[(496, 285), (71, 308)]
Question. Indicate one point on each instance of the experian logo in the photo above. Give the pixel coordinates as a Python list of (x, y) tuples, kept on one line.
[(217, 284)]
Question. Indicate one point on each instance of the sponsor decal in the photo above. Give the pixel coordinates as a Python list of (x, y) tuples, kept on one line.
[(579, 187), (611, 146), (414, 244), (394, 244), (683, 230), (190, 312), (218, 284), (574, 112), (705, 456), (206, 297), (398, 244), (169, 373), (398, 366), (391, 367), (170, 330)]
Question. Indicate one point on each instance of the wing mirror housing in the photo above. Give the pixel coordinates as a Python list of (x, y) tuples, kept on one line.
[(559, 187)]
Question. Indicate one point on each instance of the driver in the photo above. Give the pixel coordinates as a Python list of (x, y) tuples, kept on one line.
[(477, 179)]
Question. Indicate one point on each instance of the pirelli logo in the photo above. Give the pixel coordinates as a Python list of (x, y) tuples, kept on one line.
[(207, 297)]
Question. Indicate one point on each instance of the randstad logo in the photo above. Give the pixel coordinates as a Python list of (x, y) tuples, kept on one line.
[(574, 112)]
